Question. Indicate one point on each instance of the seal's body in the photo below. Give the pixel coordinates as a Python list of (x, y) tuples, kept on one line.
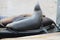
[(30, 23)]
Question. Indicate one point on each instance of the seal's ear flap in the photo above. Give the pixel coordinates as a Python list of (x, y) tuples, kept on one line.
[(37, 8)]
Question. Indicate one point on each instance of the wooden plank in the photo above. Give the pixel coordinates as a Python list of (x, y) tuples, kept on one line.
[(50, 36)]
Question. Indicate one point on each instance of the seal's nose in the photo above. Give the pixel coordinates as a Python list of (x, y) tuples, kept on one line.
[(37, 8)]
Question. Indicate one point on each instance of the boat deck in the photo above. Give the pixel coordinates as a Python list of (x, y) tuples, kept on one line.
[(49, 36)]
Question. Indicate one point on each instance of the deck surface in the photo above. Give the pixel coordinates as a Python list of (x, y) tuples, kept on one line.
[(50, 36)]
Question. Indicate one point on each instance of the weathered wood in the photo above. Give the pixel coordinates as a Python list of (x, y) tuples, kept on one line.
[(50, 36)]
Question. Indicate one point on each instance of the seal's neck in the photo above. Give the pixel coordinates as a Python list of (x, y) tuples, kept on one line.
[(38, 14)]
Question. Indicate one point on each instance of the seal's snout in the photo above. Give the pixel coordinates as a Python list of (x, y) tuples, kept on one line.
[(37, 8)]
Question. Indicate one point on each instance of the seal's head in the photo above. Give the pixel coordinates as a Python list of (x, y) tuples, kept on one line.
[(37, 8)]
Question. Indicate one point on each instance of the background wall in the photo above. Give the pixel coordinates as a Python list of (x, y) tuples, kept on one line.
[(16, 7), (58, 13)]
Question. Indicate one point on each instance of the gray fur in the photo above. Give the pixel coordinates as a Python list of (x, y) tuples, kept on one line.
[(32, 22)]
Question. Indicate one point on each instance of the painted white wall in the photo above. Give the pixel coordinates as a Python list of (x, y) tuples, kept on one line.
[(3, 7), (49, 8), (16, 7)]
